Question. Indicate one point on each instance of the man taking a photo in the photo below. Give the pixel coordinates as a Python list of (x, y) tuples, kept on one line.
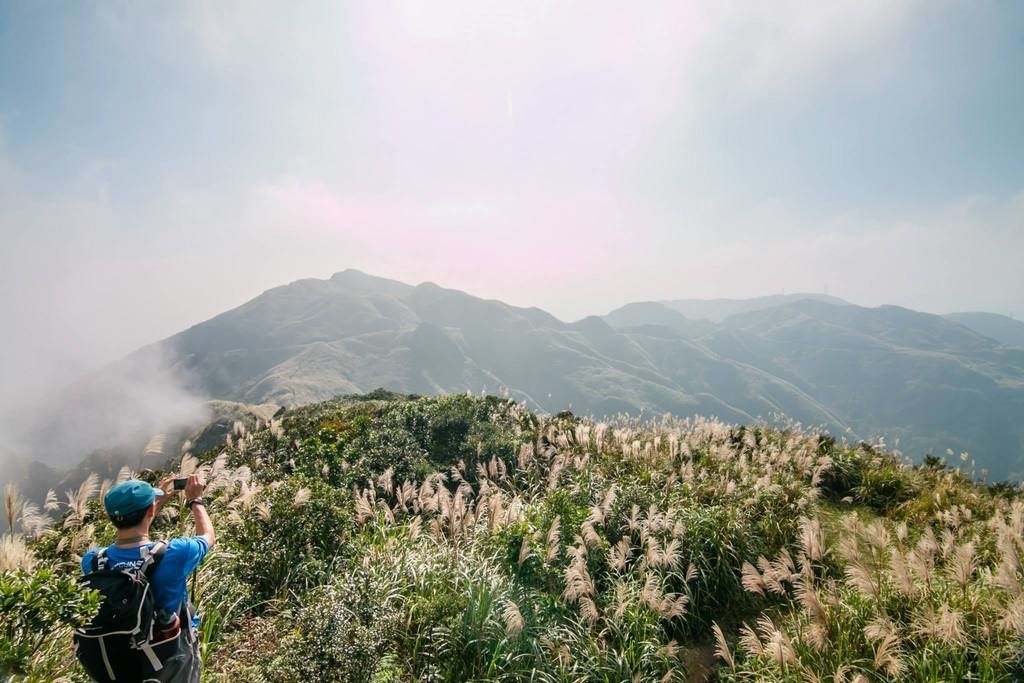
[(162, 646)]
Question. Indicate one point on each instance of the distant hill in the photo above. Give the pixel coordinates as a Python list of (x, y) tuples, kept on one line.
[(644, 313), (909, 375), (718, 310), (917, 378), (929, 382), (1003, 329)]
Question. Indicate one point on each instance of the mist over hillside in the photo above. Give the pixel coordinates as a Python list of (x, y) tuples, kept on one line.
[(925, 383)]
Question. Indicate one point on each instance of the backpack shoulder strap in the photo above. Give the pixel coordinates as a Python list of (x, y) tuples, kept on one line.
[(152, 557), (99, 559)]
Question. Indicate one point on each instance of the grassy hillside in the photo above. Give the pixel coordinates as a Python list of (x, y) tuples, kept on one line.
[(1003, 329), (718, 310), (386, 538)]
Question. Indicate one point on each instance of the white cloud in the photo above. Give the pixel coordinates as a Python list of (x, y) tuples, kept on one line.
[(771, 49)]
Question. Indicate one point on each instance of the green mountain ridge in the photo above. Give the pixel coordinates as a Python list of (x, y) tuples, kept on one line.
[(1005, 330), (717, 310), (922, 381)]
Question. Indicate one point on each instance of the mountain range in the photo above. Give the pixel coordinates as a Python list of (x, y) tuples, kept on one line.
[(927, 383), (1003, 329)]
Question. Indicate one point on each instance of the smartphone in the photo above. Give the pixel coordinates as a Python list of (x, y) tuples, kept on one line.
[(179, 483)]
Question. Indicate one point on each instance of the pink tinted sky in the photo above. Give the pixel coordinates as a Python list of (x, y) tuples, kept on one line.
[(163, 164), (502, 144)]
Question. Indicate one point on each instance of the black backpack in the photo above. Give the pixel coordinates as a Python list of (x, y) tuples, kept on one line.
[(116, 645)]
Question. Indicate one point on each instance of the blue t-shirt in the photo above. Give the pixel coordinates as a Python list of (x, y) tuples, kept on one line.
[(183, 555)]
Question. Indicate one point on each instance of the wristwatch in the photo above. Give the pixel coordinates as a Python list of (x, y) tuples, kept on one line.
[(195, 501)]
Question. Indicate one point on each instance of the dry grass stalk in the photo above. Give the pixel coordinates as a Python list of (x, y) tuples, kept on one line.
[(590, 535), (14, 554), (577, 579), (588, 610), (302, 497), (962, 566), (812, 539), (722, 647), (888, 657), (553, 540), (901, 574), (750, 641), (78, 501), (386, 481), (12, 504), (752, 580), (524, 550), (155, 445), (619, 554), (513, 618)]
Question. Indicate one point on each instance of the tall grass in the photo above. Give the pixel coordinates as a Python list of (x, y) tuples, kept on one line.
[(461, 538)]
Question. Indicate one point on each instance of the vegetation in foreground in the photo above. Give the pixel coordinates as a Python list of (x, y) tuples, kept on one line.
[(385, 538)]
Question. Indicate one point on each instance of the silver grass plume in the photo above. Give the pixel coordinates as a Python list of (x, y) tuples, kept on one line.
[(722, 647), (513, 618)]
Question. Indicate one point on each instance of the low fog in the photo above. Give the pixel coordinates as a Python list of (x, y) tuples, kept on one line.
[(105, 417), (72, 313), (121, 406)]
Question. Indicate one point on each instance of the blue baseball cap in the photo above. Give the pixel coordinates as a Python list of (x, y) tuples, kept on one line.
[(130, 496)]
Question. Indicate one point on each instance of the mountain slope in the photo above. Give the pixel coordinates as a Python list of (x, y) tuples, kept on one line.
[(314, 339), (1003, 329), (911, 376), (930, 382), (645, 313), (718, 310)]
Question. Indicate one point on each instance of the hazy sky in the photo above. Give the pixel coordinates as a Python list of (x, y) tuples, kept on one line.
[(162, 162)]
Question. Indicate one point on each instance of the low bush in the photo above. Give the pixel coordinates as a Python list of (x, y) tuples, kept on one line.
[(38, 611), (340, 632), (291, 538)]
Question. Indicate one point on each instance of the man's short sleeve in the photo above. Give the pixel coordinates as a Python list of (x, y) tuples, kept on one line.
[(87, 561), (193, 550)]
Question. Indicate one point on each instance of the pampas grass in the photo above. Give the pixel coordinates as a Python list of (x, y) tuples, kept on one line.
[(574, 550)]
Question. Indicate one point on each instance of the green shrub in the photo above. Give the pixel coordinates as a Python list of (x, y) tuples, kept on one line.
[(865, 477), (340, 632), (38, 611), (291, 546)]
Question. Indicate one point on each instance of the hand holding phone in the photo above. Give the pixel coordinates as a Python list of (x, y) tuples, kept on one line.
[(194, 488)]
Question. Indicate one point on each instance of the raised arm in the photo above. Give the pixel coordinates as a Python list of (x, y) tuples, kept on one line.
[(204, 526)]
